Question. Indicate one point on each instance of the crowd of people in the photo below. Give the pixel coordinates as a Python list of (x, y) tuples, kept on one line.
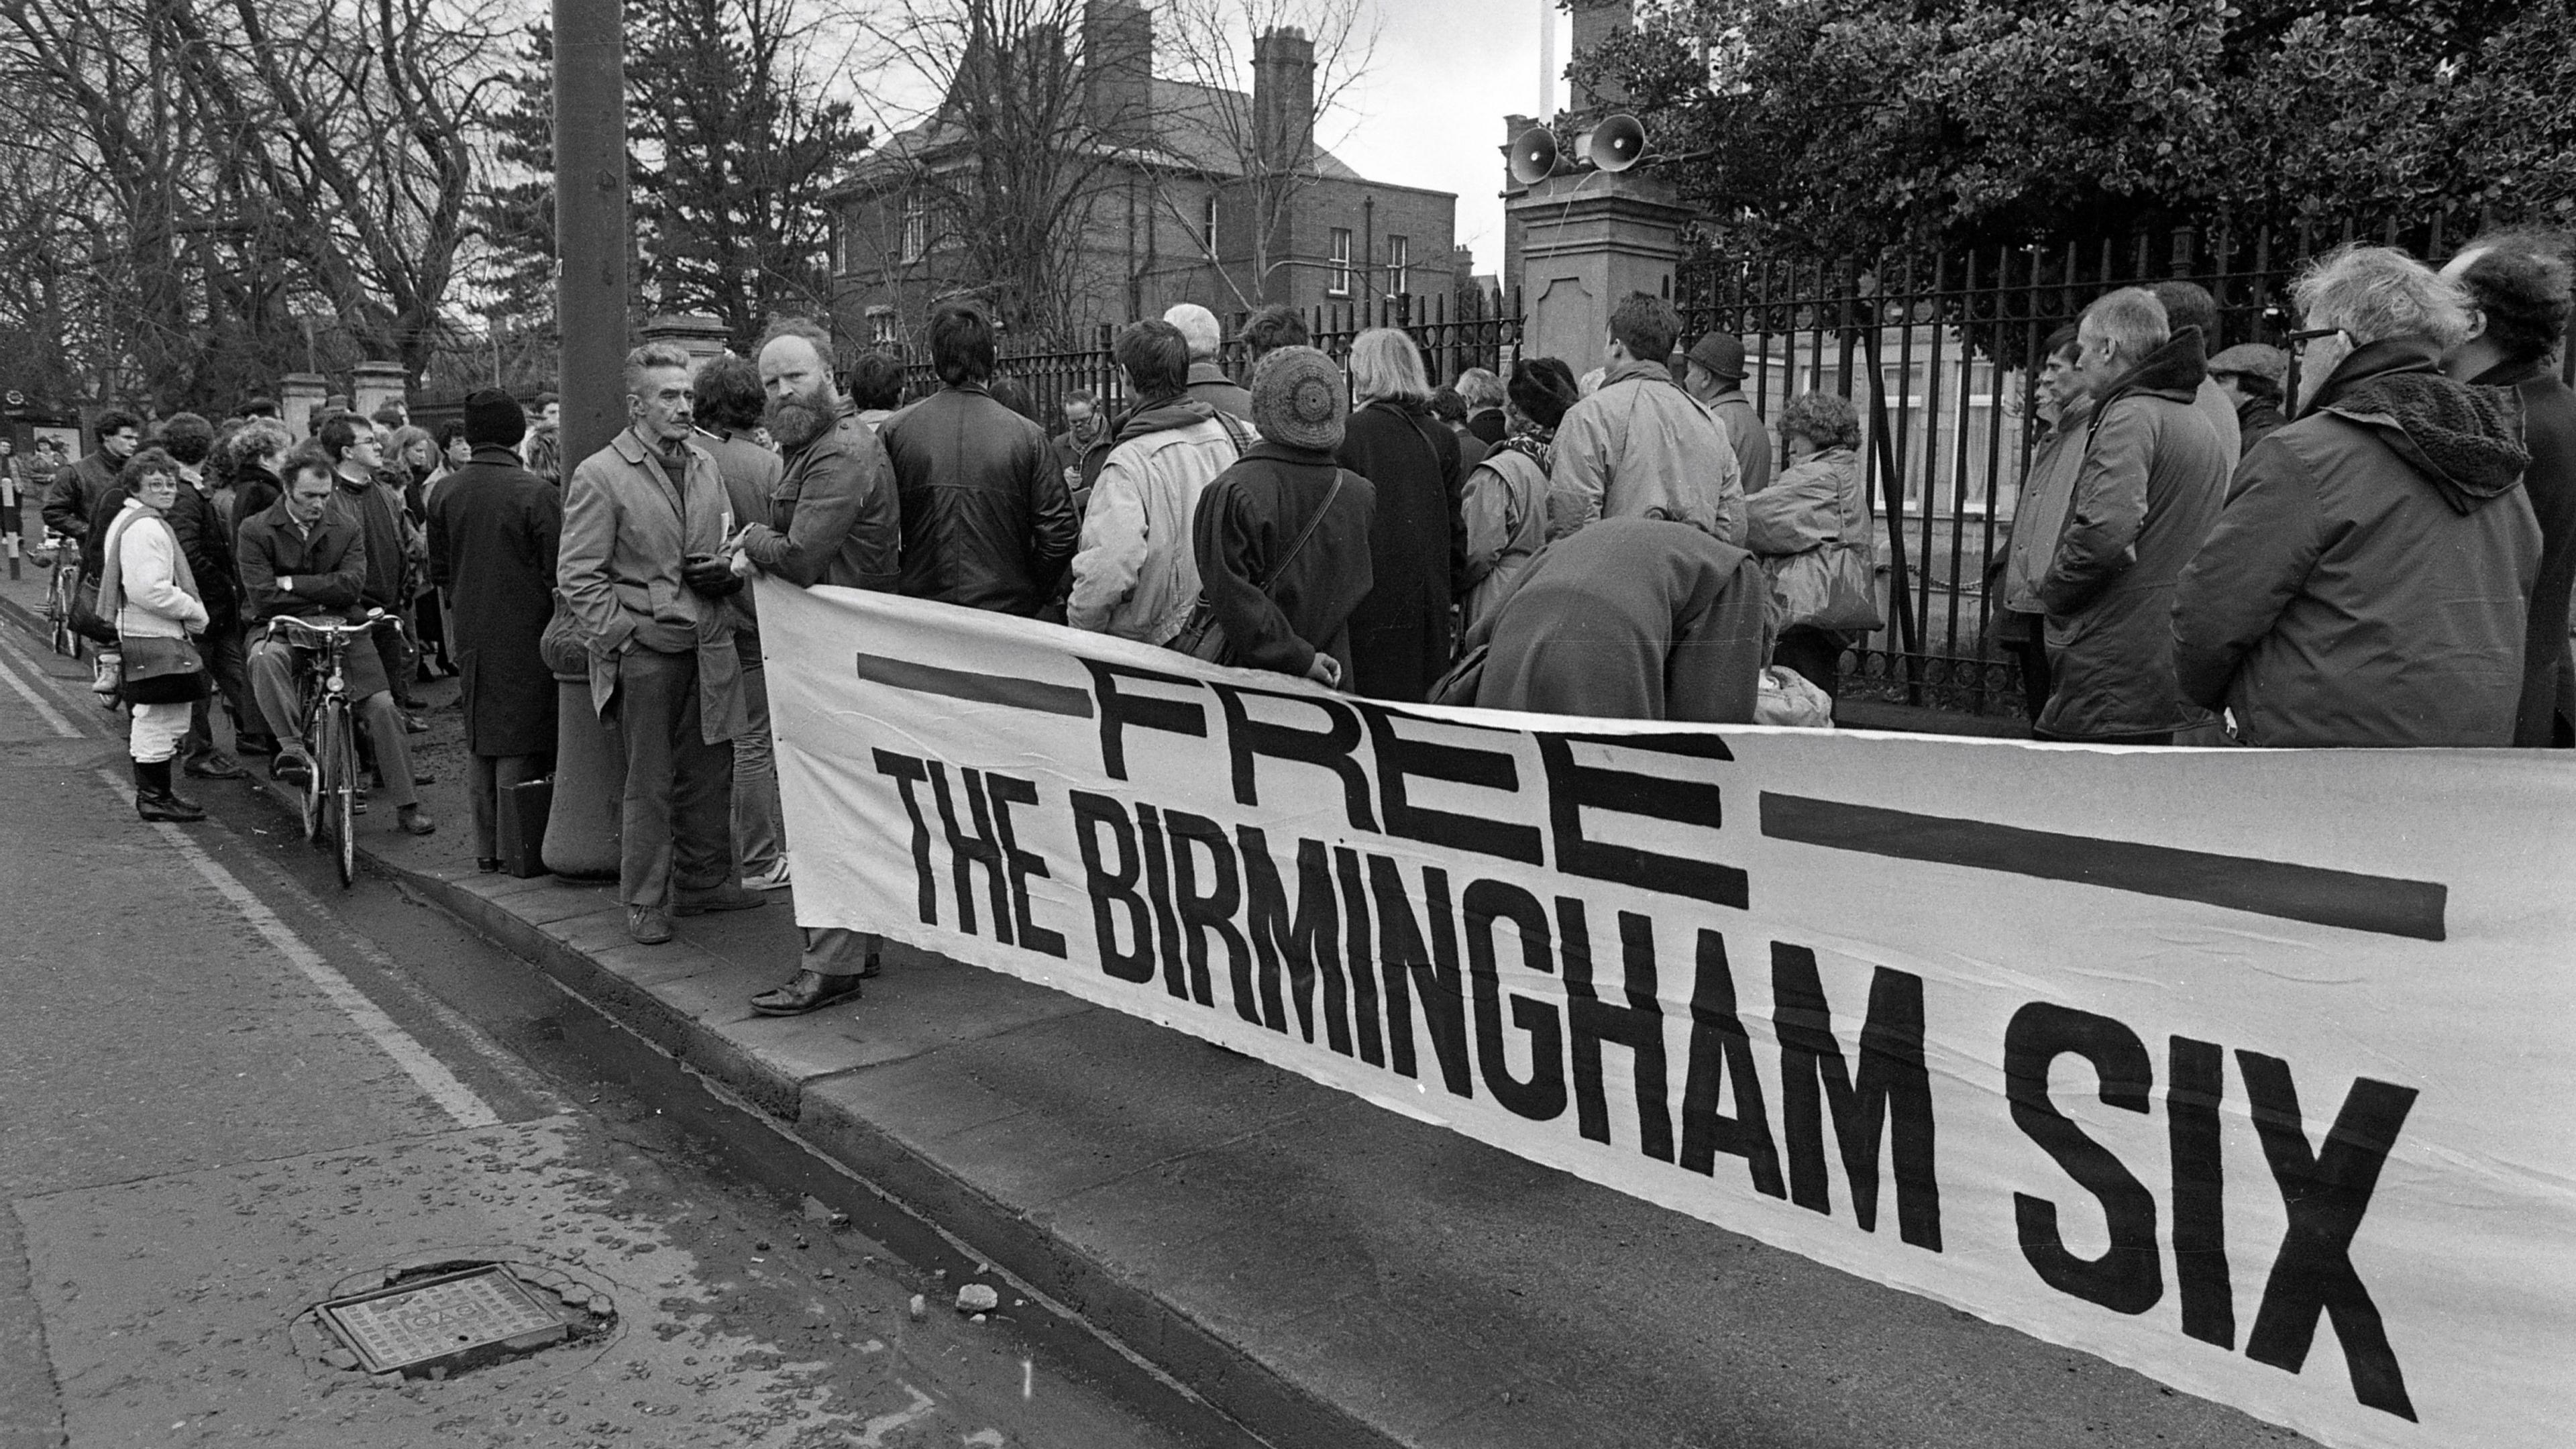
[(2388, 564), (2385, 563)]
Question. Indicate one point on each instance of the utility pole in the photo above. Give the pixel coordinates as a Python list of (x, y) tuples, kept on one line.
[(590, 222)]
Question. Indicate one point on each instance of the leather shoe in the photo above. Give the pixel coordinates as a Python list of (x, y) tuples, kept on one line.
[(410, 820), (214, 765), (292, 769), (488, 864), (726, 897), (809, 991), (414, 725), (649, 925)]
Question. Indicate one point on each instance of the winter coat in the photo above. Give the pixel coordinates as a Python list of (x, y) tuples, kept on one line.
[(2549, 435), (379, 517), (832, 516), (73, 499), (1810, 528), (1417, 549), (2369, 580), (1633, 618), (1506, 513), (145, 584), (2210, 401), (2040, 514), (749, 473), (328, 563), (1752, 440), (1248, 518), (2153, 477), (1137, 575), (985, 518), (494, 532), (2257, 418), (628, 527), (1641, 443), (253, 492), (1489, 425), (1209, 384), (208, 545)]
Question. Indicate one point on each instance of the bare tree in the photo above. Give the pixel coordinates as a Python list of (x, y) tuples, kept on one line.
[(1006, 166), (255, 159), (1265, 156)]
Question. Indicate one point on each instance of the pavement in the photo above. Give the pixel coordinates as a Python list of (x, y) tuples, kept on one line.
[(1321, 1270)]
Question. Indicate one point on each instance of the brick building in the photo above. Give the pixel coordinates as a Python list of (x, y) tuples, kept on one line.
[(1176, 212)]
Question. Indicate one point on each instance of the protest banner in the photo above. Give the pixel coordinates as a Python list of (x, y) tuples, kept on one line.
[(2245, 1069)]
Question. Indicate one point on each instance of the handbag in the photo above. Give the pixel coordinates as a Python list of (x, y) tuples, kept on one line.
[(86, 621), (160, 670), (1849, 602), (1203, 637)]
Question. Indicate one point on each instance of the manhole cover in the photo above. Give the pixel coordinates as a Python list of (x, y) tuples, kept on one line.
[(430, 1326)]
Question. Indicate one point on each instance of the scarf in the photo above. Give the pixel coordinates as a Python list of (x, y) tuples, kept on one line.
[(1532, 442), (111, 574)]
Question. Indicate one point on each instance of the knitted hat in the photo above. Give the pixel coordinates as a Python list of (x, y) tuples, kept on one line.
[(1300, 399), (2255, 359), (493, 420)]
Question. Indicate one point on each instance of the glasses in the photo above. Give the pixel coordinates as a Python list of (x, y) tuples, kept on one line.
[(2298, 341)]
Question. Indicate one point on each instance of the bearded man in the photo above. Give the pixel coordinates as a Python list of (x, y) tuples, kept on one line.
[(832, 520)]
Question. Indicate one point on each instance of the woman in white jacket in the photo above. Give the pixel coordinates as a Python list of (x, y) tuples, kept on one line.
[(146, 587)]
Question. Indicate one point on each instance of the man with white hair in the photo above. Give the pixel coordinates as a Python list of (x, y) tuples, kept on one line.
[(2153, 475), (2368, 581), (1481, 389), (1208, 382)]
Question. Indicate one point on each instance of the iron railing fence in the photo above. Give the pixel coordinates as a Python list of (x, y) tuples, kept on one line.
[(1472, 331), (1939, 356)]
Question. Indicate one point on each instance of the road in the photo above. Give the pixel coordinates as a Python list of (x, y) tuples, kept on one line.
[(230, 1090)]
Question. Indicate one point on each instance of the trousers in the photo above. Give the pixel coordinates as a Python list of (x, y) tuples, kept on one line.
[(153, 735), (759, 834), (486, 776), (229, 664), (676, 817), (272, 682)]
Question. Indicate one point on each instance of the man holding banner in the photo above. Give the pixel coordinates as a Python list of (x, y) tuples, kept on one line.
[(833, 520)]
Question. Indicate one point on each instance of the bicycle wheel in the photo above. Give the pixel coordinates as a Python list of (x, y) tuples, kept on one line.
[(344, 797), (321, 730)]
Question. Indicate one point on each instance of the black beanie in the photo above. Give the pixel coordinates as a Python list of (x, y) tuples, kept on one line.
[(493, 420)]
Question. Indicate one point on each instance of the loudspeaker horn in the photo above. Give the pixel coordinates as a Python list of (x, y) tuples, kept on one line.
[(1534, 155), (1616, 144)]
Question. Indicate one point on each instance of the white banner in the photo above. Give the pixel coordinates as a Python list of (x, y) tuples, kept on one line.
[(2247, 1069)]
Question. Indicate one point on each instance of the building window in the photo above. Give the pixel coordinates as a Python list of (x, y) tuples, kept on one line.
[(881, 332), (1340, 277), (1207, 226), (916, 228), (1399, 266)]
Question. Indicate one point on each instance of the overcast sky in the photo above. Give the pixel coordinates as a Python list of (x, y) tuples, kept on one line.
[(1431, 113)]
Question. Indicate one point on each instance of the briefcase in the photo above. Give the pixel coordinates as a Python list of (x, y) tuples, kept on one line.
[(520, 825)]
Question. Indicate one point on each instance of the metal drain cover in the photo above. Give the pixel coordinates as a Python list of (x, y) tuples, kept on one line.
[(435, 1324)]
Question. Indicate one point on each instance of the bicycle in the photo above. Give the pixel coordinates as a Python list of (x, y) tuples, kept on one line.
[(330, 801), (63, 556)]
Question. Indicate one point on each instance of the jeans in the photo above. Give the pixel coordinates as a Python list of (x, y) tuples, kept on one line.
[(273, 682), (759, 834), (676, 819)]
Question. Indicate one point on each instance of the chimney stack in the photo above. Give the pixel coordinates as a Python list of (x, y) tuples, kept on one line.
[(1594, 22), (1283, 99), (1118, 65)]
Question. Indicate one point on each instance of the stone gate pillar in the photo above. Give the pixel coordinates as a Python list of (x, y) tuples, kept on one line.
[(1586, 239)]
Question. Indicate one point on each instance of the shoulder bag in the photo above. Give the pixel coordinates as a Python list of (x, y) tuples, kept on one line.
[(1203, 637)]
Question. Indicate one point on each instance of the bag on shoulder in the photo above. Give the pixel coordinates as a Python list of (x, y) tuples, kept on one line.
[(1851, 604), (86, 621), (160, 670)]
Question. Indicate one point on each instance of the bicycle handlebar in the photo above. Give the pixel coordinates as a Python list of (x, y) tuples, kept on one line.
[(332, 628)]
